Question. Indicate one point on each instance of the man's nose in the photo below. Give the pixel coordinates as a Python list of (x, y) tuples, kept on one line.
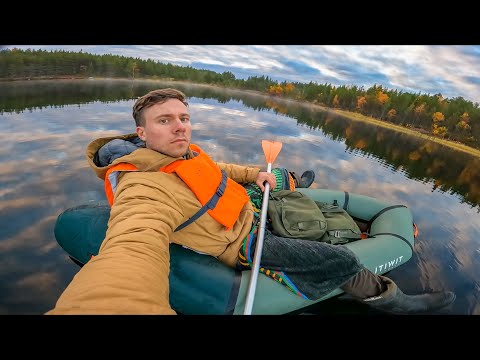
[(180, 125)]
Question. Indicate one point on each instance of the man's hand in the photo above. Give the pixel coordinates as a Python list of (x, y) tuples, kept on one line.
[(266, 176)]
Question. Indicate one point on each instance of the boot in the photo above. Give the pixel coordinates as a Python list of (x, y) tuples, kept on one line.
[(393, 300), (305, 180)]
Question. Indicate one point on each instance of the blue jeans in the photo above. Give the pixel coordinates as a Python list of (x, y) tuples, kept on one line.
[(311, 269)]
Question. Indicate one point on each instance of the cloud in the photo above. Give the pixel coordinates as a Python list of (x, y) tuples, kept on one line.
[(450, 70)]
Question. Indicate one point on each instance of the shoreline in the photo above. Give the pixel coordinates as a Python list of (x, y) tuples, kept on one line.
[(348, 114)]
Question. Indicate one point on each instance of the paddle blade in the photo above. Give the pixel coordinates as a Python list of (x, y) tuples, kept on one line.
[(271, 149)]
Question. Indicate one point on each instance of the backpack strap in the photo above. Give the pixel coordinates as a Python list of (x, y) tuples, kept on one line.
[(331, 208), (339, 236), (342, 236), (210, 204)]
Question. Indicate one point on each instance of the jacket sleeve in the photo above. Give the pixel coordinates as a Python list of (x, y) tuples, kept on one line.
[(241, 174), (130, 274)]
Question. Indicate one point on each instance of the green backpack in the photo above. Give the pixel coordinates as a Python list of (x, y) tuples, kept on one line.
[(341, 228), (293, 214)]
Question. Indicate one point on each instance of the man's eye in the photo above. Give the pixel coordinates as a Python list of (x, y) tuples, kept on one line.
[(163, 121), (186, 119)]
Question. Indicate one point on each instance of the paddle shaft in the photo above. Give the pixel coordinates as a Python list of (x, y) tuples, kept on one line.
[(258, 250)]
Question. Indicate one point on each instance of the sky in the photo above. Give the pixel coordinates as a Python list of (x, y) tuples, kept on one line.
[(451, 70)]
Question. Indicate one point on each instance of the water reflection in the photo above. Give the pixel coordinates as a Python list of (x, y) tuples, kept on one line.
[(46, 125)]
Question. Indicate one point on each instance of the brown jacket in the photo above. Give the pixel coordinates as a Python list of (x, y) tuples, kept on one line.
[(130, 273)]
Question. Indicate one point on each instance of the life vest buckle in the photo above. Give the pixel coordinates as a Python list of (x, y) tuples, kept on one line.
[(220, 190)]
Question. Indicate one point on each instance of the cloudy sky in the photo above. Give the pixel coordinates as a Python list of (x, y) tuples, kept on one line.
[(451, 70)]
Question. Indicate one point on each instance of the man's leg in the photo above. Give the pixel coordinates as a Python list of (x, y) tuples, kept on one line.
[(382, 293), (313, 269), (364, 285)]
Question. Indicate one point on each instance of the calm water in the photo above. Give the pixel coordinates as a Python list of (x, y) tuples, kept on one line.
[(45, 127)]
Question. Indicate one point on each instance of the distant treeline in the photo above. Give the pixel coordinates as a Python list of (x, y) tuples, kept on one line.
[(454, 119)]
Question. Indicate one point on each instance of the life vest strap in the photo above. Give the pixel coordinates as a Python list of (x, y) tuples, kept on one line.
[(210, 204)]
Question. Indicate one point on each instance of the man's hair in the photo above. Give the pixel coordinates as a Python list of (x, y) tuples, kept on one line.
[(155, 97)]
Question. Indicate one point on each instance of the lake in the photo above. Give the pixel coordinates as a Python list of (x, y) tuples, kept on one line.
[(45, 127)]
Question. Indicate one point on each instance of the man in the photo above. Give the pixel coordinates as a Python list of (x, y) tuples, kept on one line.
[(155, 181)]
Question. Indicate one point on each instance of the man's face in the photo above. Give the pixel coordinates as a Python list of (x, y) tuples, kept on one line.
[(167, 128)]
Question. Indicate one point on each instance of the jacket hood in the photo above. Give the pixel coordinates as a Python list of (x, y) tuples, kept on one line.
[(103, 153)]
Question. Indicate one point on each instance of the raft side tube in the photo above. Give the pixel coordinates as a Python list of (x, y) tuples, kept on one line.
[(80, 230), (358, 206), (189, 274)]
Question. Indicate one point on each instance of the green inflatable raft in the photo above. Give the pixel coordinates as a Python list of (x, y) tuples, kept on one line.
[(200, 284)]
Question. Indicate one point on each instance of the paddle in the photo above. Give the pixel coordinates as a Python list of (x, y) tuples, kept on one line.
[(271, 149)]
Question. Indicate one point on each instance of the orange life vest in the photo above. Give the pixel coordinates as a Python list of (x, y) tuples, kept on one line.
[(203, 177)]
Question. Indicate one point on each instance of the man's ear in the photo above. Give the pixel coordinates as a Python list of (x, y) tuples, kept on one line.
[(141, 132)]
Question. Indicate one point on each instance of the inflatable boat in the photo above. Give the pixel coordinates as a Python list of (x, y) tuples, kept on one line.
[(200, 284)]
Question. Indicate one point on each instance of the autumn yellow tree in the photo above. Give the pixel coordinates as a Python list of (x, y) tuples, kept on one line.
[(275, 90), (279, 89), (438, 130), (361, 101), (382, 97), (392, 114), (289, 87), (463, 122), (420, 109), (438, 117)]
